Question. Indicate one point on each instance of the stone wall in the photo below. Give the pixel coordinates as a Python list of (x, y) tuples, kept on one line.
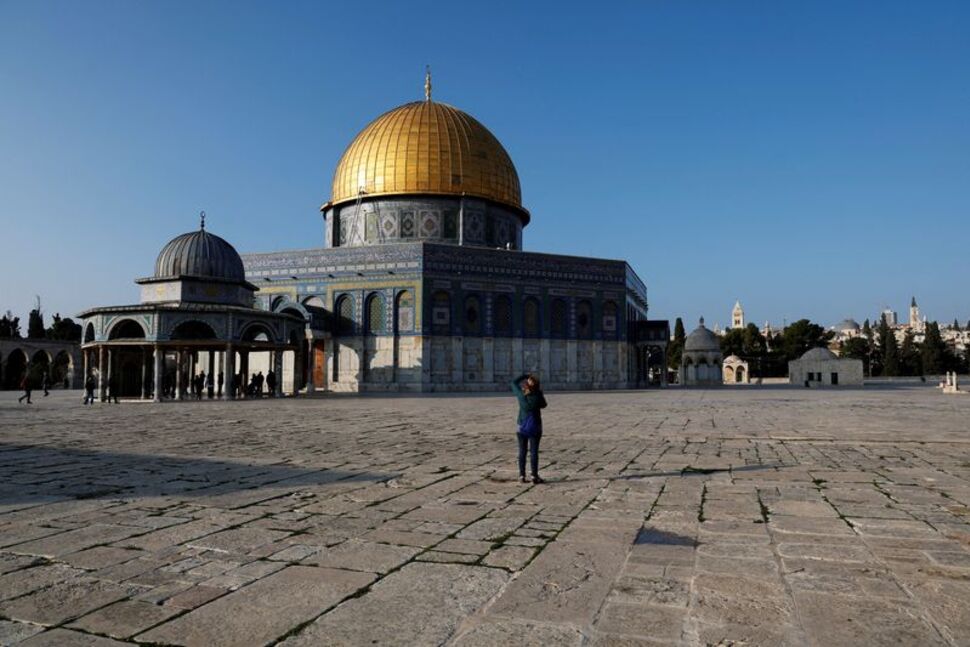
[(441, 363), (848, 370)]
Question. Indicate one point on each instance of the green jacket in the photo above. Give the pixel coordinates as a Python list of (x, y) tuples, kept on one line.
[(534, 402)]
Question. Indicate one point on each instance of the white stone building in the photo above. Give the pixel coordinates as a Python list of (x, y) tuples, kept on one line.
[(822, 367)]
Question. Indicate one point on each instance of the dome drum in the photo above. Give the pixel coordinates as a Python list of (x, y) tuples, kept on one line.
[(409, 218)]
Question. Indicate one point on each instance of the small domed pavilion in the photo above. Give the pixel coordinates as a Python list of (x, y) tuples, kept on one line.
[(700, 363), (196, 315)]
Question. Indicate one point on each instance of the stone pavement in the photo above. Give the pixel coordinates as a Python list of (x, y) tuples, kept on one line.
[(746, 516)]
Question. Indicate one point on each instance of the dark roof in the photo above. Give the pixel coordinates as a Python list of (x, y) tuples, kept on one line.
[(200, 254)]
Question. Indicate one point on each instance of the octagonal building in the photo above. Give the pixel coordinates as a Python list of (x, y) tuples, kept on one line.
[(423, 284)]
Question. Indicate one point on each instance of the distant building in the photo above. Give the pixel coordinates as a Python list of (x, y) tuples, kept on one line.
[(737, 315), (846, 329), (890, 316), (822, 367)]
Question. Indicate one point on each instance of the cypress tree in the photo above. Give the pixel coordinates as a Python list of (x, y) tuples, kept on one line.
[(676, 349), (932, 350), (890, 356)]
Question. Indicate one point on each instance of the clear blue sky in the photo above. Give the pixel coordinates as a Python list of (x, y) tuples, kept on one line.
[(809, 158)]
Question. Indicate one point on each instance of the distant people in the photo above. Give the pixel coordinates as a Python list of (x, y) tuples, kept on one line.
[(239, 383), (89, 385), (253, 386), (210, 387), (219, 383), (531, 402), (46, 384), (271, 383), (113, 388), (199, 385), (259, 384), (26, 387)]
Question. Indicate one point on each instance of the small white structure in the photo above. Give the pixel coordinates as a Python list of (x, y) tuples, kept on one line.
[(736, 370), (950, 385), (700, 364), (820, 366)]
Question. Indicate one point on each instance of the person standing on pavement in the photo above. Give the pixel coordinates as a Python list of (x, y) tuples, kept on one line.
[(89, 385), (271, 383), (26, 386), (531, 403), (46, 384)]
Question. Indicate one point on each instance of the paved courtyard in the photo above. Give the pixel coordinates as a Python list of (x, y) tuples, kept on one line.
[(744, 516)]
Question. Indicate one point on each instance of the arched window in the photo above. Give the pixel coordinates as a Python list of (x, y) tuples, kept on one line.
[(441, 313), (89, 333), (557, 318), (473, 316), (345, 315), (609, 319), (584, 320), (127, 329), (502, 316), (404, 319), (193, 330), (530, 318), (375, 321)]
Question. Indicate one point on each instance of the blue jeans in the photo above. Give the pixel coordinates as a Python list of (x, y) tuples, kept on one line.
[(533, 445)]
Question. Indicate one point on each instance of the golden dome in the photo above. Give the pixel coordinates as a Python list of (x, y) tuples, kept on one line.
[(427, 147)]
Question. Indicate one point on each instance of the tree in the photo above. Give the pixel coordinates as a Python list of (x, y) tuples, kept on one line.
[(801, 336), (956, 325), (732, 343), (910, 362), (676, 349), (857, 348), (889, 348), (35, 324), (64, 329), (933, 350), (753, 342), (9, 326)]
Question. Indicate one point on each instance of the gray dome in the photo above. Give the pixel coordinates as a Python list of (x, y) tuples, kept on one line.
[(819, 355), (200, 254), (702, 339), (848, 324)]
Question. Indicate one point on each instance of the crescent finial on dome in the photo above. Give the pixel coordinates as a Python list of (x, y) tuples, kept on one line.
[(427, 83)]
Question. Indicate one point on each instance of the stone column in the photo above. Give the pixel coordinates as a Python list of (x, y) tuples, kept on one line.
[(211, 391), (311, 383), (229, 374), (85, 360), (102, 382), (243, 371), (157, 374), (109, 367), (278, 371), (144, 373), (663, 370), (178, 374)]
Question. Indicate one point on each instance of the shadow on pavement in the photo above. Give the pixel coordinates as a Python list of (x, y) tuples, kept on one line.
[(30, 473)]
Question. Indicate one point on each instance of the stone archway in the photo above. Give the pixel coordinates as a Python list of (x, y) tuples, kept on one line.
[(62, 370), (739, 374), (14, 368)]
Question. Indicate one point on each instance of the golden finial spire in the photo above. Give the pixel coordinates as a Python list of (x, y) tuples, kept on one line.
[(427, 83)]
